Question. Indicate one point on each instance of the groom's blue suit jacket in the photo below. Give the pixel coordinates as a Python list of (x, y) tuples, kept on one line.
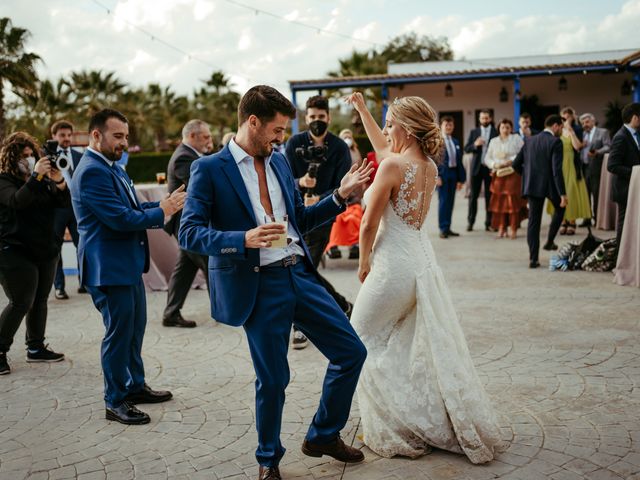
[(216, 216)]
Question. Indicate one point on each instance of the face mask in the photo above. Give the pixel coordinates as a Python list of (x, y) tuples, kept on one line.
[(31, 161), (349, 142), (318, 127)]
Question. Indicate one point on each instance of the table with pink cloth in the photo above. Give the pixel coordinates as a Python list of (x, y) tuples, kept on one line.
[(607, 208), (627, 270), (163, 248)]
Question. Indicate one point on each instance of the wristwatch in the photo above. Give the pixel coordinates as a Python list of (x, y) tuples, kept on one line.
[(37, 176), (337, 196)]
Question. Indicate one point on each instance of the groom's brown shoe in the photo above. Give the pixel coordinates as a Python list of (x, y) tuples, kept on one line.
[(269, 473), (337, 449)]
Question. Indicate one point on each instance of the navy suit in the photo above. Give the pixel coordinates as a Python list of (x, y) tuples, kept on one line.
[(113, 252), (267, 300), (540, 164), (63, 218), (450, 177)]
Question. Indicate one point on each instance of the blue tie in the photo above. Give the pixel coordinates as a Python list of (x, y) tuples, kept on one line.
[(637, 135), (119, 172)]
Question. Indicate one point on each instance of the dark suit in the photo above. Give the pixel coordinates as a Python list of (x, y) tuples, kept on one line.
[(450, 177), (188, 263), (540, 164), (63, 218), (480, 175), (266, 300), (113, 252), (624, 155)]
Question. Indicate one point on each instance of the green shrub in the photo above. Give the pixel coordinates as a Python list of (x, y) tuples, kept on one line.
[(142, 167)]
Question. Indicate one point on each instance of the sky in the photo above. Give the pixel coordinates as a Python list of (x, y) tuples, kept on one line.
[(257, 48)]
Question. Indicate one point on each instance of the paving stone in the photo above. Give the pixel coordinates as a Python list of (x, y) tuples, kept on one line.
[(560, 359)]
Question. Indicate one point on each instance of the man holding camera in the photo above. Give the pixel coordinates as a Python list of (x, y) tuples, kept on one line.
[(319, 160), (62, 132)]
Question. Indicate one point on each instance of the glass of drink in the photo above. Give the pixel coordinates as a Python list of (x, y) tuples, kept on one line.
[(283, 220), (161, 178)]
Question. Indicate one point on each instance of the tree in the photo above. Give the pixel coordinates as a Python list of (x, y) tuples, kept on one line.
[(95, 90), (17, 67), (401, 49)]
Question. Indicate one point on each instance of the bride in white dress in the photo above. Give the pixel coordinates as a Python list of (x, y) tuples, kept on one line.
[(419, 387)]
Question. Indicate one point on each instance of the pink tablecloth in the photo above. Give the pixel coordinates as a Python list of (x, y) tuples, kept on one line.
[(163, 248), (607, 208), (628, 267)]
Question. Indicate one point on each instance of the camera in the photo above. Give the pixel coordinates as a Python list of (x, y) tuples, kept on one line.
[(314, 155), (58, 161)]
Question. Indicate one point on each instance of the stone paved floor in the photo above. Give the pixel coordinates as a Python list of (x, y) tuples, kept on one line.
[(558, 353)]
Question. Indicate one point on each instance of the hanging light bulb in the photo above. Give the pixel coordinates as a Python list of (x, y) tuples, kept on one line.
[(562, 84), (448, 90)]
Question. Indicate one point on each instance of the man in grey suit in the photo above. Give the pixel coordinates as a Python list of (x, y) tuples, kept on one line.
[(540, 164), (596, 142), (196, 136)]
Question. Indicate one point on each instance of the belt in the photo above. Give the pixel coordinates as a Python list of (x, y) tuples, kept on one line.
[(288, 261)]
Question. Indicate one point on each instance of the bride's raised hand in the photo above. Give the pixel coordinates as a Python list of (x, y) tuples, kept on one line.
[(356, 99)]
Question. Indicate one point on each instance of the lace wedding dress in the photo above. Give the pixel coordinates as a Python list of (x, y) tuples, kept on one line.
[(419, 387)]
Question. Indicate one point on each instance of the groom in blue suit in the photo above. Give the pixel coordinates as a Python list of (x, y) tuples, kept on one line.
[(231, 195), (113, 252)]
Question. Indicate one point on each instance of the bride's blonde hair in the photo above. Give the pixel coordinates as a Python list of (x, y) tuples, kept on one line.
[(420, 120)]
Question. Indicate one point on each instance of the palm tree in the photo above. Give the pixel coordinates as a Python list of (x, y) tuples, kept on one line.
[(218, 81), (17, 67), (49, 102), (95, 90)]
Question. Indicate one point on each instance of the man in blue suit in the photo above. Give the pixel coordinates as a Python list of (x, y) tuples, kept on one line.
[(540, 164), (451, 177), (62, 132), (231, 195), (113, 252)]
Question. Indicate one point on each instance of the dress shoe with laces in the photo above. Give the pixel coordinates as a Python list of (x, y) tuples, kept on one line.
[(535, 264), (127, 414), (451, 233), (147, 395), (269, 473), (550, 246), (444, 235), (178, 321), (469, 228), (336, 449)]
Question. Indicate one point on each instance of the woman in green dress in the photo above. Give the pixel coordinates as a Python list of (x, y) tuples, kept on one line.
[(575, 186)]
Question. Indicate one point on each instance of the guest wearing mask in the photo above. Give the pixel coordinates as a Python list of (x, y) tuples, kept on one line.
[(506, 184), (30, 192)]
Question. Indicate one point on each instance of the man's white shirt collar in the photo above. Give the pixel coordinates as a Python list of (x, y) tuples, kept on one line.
[(239, 155), (95, 152)]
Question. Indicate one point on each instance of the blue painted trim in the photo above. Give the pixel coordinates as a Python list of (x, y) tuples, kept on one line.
[(636, 90), (294, 123), (447, 78), (517, 94)]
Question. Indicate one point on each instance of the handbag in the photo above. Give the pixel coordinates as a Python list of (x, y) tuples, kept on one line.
[(504, 171)]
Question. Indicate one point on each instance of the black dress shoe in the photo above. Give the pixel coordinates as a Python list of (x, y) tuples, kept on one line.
[(178, 321), (451, 233), (550, 246), (146, 395), (127, 414), (444, 235), (269, 473), (337, 449), (585, 223), (534, 264), (81, 289), (469, 228)]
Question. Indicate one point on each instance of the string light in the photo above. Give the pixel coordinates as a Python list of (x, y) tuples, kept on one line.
[(189, 56)]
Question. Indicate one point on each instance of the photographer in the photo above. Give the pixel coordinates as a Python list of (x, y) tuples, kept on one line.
[(318, 160), (62, 132), (30, 191)]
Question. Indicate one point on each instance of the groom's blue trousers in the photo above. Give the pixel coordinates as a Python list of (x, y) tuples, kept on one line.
[(289, 295)]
